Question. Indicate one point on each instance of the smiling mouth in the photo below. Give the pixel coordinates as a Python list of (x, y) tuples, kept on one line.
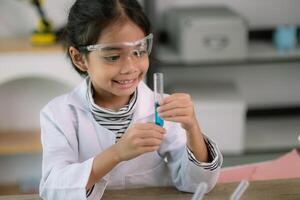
[(125, 82)]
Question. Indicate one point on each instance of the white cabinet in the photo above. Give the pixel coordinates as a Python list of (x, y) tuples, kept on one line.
[(221, 112)]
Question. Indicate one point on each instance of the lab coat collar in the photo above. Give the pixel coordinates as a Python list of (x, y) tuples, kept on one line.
[(78, 97), (145, 100)]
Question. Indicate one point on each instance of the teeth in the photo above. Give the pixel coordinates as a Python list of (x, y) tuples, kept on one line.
[(125, 82)]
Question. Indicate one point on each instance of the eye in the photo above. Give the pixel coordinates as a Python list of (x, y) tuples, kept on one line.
[(140, 53), (113, 58)]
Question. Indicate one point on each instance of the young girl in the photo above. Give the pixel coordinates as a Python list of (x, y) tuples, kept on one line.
[(102, 135)]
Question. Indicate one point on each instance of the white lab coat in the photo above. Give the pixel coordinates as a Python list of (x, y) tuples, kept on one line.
[(71, 138)]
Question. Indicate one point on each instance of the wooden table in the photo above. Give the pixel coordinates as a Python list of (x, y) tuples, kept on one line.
[(275, 189)]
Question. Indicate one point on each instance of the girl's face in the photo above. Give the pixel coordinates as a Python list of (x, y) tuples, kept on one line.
[(115, 73)]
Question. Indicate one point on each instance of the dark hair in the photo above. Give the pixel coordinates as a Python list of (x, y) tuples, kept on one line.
[(88, 18)]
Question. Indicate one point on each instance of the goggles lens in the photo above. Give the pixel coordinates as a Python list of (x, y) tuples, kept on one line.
[(117, 52)]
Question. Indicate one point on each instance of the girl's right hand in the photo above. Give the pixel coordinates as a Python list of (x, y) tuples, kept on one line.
[(139, 138)]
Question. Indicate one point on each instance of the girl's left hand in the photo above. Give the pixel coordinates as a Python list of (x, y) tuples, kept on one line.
[(179, 108)]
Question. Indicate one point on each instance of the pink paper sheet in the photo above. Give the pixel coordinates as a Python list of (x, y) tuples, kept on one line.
[(285, 167)]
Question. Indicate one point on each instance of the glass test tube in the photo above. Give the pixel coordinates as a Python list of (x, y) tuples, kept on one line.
[(158, 95), (241, 188), (200, 191)]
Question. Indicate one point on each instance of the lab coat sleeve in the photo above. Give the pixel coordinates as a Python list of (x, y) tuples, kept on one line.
[(63, 176), (185, 174), (214, 155)]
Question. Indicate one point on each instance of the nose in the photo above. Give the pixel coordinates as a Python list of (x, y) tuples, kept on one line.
[(129, 65)]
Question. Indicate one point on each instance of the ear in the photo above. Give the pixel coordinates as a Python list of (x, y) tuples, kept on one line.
[(78, 59)]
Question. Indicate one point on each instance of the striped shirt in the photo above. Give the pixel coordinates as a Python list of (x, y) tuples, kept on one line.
[(214, 156), (115, 121)]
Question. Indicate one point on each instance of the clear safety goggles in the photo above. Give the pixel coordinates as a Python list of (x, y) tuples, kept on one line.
[(119, 52)]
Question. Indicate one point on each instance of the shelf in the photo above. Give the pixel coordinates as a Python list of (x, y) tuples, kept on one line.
[(258, 52), (12, 45), (272, 134), (267, 51), (12, 143), (9, 189)]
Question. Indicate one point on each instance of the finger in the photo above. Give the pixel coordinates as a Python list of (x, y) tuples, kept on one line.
[(174, 112), (171, 105), (150, 134), (149, 142), (149, 149), (175, 96), (152, 126), (179, 119)]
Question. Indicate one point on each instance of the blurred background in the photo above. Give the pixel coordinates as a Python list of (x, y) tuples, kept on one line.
[(239, 60)]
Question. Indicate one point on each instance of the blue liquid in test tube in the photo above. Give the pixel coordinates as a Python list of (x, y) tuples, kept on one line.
[(158, 120), (158, 95)]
